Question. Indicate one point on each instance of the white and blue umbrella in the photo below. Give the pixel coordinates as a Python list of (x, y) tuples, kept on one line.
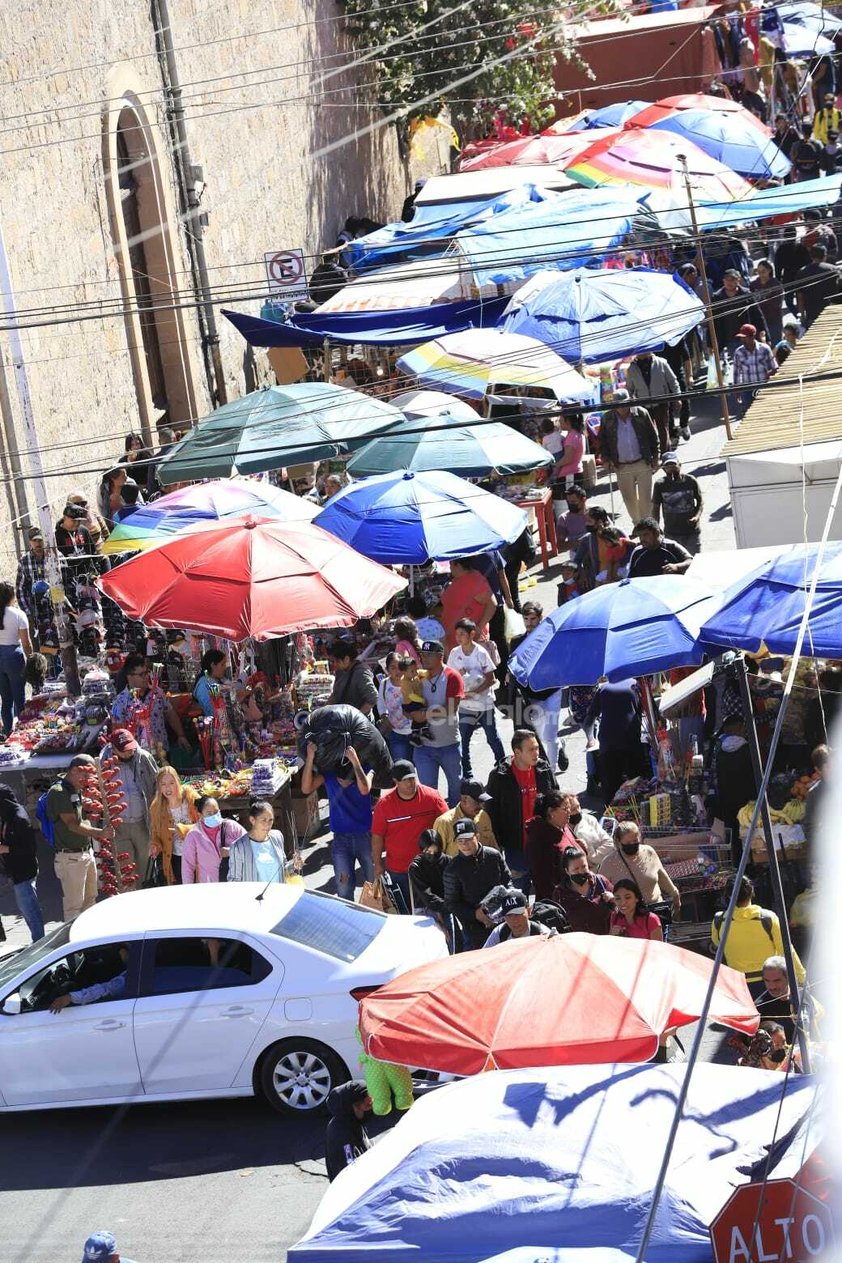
[(634, 627), (591, 315), (408, 519), (734, 139)]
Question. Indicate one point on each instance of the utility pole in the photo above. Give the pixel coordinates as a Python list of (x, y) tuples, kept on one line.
[(714, 341), (52, 563), (191, 216)]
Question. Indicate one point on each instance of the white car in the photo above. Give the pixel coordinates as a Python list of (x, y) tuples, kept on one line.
[(223, 989)]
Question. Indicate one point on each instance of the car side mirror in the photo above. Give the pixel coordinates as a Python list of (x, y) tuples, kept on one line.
[(11, 1005)]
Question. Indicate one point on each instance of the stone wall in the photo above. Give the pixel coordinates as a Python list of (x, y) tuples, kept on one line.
[(263, 96)]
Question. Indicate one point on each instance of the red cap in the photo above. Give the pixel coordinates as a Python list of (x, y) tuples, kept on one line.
[(123, 741), (748, 331)]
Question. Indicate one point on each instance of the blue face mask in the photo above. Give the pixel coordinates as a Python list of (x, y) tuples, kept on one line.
[(214, 820)]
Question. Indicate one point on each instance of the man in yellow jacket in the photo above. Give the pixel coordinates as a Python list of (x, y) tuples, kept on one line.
[(471, 806), (826, 119), (754, 936)]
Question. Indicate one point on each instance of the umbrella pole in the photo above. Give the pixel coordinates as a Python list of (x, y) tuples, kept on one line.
[(772, 855), (412, 581), (714, 342), (611, 492)]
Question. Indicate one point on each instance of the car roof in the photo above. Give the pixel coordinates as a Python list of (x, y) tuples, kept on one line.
[(210, 905)]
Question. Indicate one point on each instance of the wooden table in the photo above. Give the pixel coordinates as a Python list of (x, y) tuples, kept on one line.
[(545, 518)]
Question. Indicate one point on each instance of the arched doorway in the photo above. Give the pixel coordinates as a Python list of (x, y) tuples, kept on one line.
[(149, 275)]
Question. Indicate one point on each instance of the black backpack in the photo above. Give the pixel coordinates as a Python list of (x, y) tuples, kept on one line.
[(765, 920), (552, 915)]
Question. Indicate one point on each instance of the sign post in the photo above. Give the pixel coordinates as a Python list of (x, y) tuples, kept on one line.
[(779, 1222), (286, 275)]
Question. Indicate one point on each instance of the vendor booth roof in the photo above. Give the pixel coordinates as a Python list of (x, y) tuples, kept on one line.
[(462, 191), (561, 1162), (785, 199), (371, 328)]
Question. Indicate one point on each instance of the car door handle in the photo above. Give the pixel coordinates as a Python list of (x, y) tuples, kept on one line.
[(109, 1025), (237, 1010)]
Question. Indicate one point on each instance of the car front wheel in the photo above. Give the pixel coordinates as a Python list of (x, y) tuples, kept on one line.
[(297, 1075)]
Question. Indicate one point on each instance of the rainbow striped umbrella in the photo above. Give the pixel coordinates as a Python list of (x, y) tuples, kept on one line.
[(470, 362), (152, 524), (651, 159)]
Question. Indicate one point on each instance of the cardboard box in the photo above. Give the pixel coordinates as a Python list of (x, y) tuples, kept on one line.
[(305, 809)]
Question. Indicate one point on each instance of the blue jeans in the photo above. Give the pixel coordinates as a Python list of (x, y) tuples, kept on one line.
[(428, 760), (468, 725), (401, 895), (348, 849), (399, 746), (12, 687), (30, 909)]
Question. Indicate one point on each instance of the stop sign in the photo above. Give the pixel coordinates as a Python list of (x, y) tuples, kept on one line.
[(779, 1222)]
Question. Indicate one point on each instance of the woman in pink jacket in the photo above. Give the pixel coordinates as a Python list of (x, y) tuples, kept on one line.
[(206, 846)]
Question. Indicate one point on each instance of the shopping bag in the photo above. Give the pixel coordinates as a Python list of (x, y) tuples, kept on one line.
[(375, 895), (154, 875), (513, 624)]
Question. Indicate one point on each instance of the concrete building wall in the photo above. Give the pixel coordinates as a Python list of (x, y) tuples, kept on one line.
[(262, 96)]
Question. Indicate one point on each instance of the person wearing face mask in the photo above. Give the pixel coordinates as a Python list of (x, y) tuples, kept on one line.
[(651, 381), (585, 896), (548, 835), (641, 864), (206, 847), (589, 832)]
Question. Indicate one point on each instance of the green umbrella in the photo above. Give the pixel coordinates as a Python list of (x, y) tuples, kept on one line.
[(283, 425), (446, 442)]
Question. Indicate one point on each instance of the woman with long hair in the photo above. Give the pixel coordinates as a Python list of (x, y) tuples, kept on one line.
[(569, 464), (172, 812), (109, 495), (214, 664), (15, 645), (548, 835), (631, 919)]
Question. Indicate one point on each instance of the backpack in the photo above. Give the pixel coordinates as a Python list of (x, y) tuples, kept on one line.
[(552, 915), (48, 827), (765, 920)]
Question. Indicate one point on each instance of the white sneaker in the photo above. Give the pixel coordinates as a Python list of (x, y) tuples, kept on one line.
[(685, 432)]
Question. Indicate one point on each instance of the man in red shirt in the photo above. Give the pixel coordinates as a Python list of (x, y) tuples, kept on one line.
[(514, 785), (466, 596), (399, 819)]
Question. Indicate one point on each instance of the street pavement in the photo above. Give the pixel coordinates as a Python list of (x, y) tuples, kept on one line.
[(231, 1181)]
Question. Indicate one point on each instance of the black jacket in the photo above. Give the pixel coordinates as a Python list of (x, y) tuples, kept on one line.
[(469, 878), (644, 428), (17, 833), (426, 877), (505, 808), (346, 1135)]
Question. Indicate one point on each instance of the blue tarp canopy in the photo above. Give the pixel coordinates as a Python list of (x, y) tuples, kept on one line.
[(575, 229), (785, 199), (401, 327), (557, 1164), (399, 242)]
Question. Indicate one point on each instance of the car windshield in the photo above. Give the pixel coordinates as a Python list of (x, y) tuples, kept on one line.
[(339, 929), (19, 962)]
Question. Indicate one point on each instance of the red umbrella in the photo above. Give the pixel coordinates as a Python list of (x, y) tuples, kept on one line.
[(251, 577), (546, 149), (572, 999)]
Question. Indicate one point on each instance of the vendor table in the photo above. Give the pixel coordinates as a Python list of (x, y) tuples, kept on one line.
[(545, 520), (28, 780), (235, 807)]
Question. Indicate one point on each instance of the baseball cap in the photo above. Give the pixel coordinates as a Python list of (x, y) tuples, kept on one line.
[(73, 510), (35, 532), (402, 770), (669, 458), (512, 901), (464, 829), (474, 789), (99, 1247), (432, 646), (621, 396), (123, 740), (748, 331)]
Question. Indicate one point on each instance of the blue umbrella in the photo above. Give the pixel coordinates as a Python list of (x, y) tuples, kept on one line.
[(767, 606), (603, 314), (405, 519), (730, 138), (633, 627), (609, 115)]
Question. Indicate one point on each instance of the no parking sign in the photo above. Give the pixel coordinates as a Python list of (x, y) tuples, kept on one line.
[(286, 275)]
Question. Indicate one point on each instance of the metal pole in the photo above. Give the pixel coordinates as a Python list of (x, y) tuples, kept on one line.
[(191, 218), (52, 564), (741, 671), (714, 342)]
